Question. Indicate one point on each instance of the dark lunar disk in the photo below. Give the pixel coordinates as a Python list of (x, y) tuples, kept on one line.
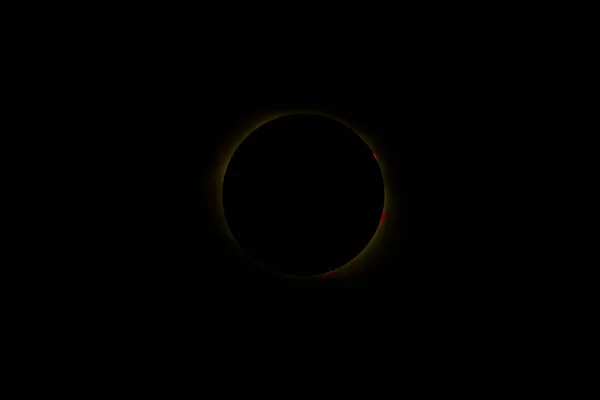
[(303, 195)]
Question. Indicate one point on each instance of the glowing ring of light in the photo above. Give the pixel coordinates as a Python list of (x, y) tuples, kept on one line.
[(360, 261)]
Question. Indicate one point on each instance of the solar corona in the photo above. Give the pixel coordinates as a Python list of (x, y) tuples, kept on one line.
[(303, 195)]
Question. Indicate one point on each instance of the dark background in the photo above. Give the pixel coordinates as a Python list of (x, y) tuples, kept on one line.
[(150, 108), (445, 115), (441, 141)]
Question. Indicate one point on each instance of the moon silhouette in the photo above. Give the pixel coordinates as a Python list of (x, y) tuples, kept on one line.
[(303, 195)]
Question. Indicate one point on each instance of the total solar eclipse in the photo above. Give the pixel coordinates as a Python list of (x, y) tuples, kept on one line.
[(303, 195)]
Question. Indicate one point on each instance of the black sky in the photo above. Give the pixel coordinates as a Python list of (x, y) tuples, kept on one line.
[(440, 130)]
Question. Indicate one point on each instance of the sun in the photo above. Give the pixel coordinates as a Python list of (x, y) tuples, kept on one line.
[(369, 254)]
